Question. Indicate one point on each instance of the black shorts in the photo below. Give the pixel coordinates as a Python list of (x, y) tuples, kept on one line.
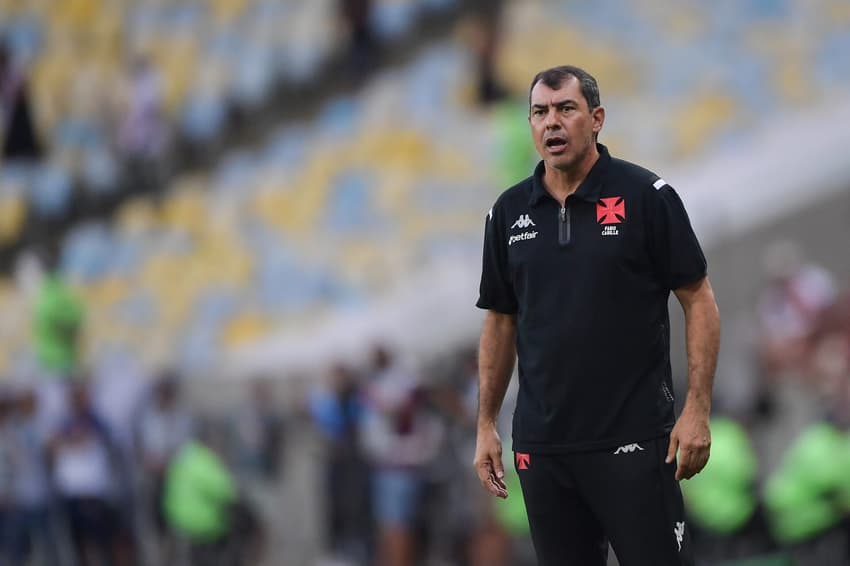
[(627, 495)]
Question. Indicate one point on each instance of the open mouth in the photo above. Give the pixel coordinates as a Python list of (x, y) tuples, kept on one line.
[(555, 144)]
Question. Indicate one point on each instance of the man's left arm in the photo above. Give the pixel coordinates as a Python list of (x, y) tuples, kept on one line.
[(691, 435)]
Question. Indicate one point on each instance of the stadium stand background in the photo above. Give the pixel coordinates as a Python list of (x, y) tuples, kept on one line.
[(303, 206)]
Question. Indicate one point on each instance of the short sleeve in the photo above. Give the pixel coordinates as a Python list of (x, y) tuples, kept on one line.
[(675, 251), (496, 292)]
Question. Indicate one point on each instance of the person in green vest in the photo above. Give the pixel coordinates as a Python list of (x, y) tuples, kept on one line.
[(203, 507), (806, 496), (58, 315), (515, 153)]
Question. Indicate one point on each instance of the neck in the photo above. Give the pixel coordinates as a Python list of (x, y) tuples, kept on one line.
[(561, 183)]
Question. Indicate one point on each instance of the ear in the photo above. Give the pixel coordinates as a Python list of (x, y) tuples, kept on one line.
[(598, 116)]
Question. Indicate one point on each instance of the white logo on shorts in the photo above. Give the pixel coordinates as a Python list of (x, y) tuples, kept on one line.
[(628, 448), (679, 531)]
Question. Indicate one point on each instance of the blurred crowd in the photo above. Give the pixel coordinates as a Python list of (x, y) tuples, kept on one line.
[(98, 470), (778, 483), (399, 485), (117, 468)]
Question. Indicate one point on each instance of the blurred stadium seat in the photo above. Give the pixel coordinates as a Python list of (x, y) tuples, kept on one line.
[(329, 212)]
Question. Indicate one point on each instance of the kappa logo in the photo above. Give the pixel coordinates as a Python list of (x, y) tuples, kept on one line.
[(679, 531), (611, 210), (628, 449), (523, 222), (523, 461)]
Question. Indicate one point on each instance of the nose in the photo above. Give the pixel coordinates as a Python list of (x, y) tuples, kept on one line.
[(551, 121)]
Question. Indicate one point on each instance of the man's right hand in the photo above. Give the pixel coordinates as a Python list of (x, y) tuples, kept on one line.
[(488, 461)]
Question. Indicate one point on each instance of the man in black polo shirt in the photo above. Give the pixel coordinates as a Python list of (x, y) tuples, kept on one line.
[(579, 261)]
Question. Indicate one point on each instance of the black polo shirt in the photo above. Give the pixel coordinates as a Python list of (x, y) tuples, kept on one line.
[(589, 284)]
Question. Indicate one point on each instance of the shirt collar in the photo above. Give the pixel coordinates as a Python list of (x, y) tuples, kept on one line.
[(588, 190)]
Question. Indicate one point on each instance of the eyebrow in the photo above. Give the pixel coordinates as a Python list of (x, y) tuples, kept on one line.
[(557, 103)]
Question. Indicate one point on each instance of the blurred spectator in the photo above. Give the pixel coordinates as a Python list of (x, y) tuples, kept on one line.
[(485, 44), (143, 130), (257, 446), (336, 409), (163, 427), (30, 523), (202, 504), (401, 438), (357, 17), (87, 473), (20, 142), (259, 428), (481, 538), (830, 360), (789, 308)]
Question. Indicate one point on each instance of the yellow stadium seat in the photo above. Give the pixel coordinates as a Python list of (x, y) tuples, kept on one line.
[(108, 291), (13, 213), (703, 116), (186, 208), (176, 60), (225, 12), (277, 209), (77, 13), (793, 79), (137, 216), (245, 328), (837, 14), (362, 262), (393, 190)]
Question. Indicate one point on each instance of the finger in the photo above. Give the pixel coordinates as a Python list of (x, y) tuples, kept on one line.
[(671, 449), (684, 467), (696, 460), (485, 475), (500, 490), (483, 471), (499, 480), (500, 483), (701, 461), (498, 467)]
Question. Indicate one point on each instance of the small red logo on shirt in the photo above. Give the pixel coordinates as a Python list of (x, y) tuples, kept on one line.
[(523, 461), (611, 210)]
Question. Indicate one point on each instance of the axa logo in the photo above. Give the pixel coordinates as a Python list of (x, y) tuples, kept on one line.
[(679, 531), (523, 461), (628, 448), (523, 222), (611, 210)]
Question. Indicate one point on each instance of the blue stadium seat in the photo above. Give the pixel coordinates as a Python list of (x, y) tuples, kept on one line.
[(87, 251), (51, 191)]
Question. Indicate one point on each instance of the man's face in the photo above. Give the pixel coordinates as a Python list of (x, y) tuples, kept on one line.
[(562, 125)]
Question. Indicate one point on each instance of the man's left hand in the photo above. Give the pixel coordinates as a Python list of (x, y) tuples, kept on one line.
[(691, 436)]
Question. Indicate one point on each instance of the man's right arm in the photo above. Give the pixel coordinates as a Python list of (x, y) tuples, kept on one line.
[(496, 357)]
